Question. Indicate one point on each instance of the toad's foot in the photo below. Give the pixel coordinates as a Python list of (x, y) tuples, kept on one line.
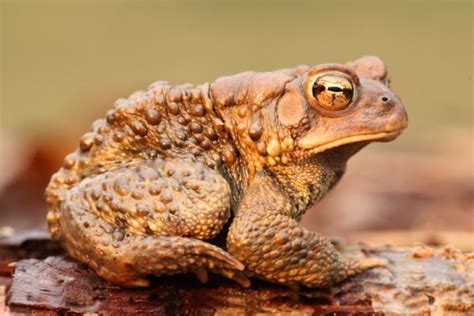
[(356, 266)]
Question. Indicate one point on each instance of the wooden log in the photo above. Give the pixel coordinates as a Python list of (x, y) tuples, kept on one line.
[(418, 280)]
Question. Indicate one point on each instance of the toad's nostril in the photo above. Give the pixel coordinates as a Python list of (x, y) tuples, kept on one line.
[(385, 99)]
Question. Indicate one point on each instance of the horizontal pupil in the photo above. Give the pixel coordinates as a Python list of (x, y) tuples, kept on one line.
[(335, 89)]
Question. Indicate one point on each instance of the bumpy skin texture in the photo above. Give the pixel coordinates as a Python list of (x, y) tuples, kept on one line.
[(152, 184)]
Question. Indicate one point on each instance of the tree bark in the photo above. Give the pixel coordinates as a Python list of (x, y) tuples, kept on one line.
[(38, 277)]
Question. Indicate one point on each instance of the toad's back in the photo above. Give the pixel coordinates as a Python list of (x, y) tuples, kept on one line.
[(163, 122)]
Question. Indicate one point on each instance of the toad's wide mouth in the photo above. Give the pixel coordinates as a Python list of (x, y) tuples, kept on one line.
[(314, 147)]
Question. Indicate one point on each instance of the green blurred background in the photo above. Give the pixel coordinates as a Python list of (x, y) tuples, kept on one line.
[(63, 63)]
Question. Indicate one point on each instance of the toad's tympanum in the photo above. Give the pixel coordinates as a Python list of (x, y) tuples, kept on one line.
[(170, 168)]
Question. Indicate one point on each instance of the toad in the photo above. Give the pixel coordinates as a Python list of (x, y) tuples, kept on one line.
[(167, 170)]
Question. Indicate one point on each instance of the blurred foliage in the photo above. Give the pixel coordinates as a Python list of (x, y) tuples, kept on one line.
[(65, 62)]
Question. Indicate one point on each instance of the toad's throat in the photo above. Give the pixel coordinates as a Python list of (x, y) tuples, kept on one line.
[(316, 146)]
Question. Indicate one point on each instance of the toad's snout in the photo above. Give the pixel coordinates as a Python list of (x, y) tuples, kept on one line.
[(396, 117), (382, 109)]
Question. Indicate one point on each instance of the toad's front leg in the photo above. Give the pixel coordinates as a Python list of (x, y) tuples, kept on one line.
[(273, 246)]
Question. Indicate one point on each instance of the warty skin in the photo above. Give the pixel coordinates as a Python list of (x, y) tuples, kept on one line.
[(170, 168)]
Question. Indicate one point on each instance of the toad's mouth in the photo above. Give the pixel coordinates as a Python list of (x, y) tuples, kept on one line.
[(314, 146)]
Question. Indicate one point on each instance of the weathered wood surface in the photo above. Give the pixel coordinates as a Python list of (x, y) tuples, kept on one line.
[(418, 280)]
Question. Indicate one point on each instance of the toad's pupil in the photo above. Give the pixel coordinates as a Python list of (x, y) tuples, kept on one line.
[(335, 89)]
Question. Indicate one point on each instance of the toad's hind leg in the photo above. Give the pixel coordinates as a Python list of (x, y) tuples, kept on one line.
[(115, 225), (126, 258)]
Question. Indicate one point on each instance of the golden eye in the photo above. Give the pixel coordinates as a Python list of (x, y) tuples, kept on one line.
[(333, 92)]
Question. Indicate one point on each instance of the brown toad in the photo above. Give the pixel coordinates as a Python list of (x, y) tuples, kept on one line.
[(154, 182)]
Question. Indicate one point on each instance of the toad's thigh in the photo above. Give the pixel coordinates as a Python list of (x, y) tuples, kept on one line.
[(168, 198)]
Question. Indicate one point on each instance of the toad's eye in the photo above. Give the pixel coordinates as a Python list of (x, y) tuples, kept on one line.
[(333, 92)]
